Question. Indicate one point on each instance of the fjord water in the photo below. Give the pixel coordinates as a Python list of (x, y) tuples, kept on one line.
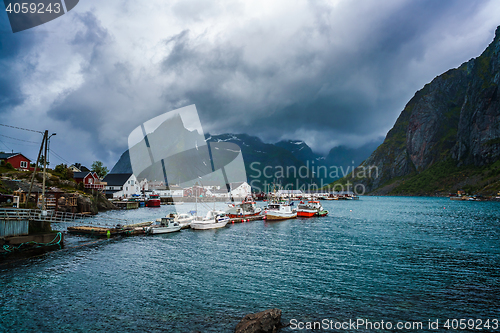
[(379, 258)]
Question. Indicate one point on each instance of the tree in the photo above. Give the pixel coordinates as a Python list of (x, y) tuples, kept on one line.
[(40, 162), (99, 168), (61, 168), (63, 171)]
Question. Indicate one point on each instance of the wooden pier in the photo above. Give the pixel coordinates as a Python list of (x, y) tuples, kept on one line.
[(105, 232), (247, 219), (127, 204), (136, 229)]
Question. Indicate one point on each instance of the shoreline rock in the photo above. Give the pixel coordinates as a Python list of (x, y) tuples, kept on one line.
[(268, 321)]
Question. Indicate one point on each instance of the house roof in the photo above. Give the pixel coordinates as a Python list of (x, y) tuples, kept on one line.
[(4, 156), (222, 190), (116, 179), (110, 191), (236, 184), (82, 174)]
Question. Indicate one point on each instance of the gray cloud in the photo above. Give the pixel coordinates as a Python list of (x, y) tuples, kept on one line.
[(11, 49), (343, 91), (326, 74)]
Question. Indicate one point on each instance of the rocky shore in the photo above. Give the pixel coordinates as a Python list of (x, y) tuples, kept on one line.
[(87, 201), (268, 321)]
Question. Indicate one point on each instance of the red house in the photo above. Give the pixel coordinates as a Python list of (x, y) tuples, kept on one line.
[(89, 179), (195, 191), (18, 161)]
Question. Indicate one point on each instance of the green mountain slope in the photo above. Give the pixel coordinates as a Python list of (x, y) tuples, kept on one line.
[(447, 137)]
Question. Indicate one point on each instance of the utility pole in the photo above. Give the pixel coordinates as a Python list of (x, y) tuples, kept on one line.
[(45, 135), (45, 157), (44, 172)]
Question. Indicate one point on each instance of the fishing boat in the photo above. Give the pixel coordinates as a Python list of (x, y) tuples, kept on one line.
[(184, 220), (244, 209), (322, 213), (213, 220), (153, 200), (166, 225), (310, 209), (280, 210)]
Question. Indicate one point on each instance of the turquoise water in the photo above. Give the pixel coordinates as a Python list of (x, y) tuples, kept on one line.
[(392, 259)]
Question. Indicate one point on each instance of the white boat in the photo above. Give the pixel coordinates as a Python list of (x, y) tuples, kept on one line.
[(213, 220), (184, 220), (280, 211), (166, 225)]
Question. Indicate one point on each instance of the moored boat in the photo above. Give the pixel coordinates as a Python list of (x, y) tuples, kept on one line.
[(280, 211), (153, 201), (306, 209), (310, 209), (322, 213), (213, 220), (184, 220), (166, 225), (244, 209)]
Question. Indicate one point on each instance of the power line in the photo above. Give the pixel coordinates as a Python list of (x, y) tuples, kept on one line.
[(20, 128), (17, 139), (59, 156), (5, 145)]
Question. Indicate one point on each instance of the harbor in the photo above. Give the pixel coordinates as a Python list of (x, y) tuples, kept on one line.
[(364, 253)]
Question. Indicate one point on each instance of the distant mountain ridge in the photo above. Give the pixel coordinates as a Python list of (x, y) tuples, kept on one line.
[(279, 158), (447, 137)]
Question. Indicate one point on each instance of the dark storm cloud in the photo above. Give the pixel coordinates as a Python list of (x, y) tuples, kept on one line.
[(327, 73), (84, 107), (352, 91), (11, 50)]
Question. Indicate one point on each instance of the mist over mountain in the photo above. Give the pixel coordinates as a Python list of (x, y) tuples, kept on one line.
[(281, 162)]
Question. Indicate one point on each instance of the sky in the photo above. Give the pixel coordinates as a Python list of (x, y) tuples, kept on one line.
[(326, 72)]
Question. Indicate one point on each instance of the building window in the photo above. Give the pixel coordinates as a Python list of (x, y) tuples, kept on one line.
[(132, 182), (24, 164)]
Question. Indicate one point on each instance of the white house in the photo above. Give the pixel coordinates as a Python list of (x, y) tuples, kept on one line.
[(173, 191), (123, 185), (240, 190)]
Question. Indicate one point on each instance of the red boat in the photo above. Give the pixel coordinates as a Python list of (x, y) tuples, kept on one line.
[(312, 208), (244, 209), (153, 201)]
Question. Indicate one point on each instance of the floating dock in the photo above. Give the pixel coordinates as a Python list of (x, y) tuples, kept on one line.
[(247, 219), (127, 204), (138, 228), (105, 232)]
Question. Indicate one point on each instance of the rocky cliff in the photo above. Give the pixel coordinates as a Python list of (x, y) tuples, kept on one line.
[(452, 121)]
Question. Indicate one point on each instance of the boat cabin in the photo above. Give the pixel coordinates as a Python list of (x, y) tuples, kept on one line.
[(168, 222)]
